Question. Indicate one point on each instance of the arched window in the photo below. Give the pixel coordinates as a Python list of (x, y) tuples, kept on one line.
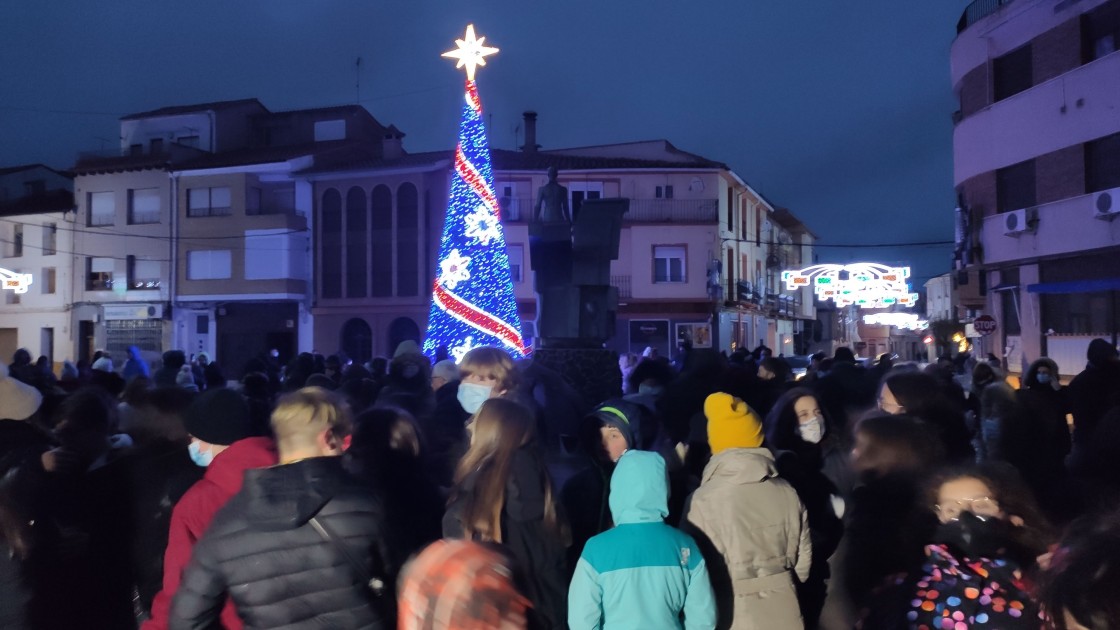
[(408, 241), (357, 340), (356, 263), (381, 241), (402, 329), (330, 245)]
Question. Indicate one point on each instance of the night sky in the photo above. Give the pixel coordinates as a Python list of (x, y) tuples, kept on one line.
[(838, 110)]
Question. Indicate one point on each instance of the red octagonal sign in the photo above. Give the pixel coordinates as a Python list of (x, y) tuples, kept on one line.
[(984, 325)]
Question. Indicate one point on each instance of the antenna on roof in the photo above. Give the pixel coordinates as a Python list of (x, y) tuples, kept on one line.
[(358, 81)]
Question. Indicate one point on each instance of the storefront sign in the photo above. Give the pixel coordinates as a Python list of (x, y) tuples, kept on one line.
[(133, 311)]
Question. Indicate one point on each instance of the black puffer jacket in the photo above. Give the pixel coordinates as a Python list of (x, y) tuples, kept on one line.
[(278, 571)]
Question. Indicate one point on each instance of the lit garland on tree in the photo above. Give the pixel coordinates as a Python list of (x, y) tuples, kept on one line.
[(472, 297)]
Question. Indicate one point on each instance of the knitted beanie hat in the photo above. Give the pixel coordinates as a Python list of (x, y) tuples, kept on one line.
[(219, 416), (731, 423)]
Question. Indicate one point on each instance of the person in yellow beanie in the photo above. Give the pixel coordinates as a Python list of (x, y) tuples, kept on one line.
[(731, 423), (758, 529)]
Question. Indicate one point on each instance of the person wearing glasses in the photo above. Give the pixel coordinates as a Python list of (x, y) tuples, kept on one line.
[(979, 567)]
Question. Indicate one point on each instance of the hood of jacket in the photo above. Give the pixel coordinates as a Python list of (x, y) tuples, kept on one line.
[(287, 496), (741, 466), (228, 468), (639, 489)]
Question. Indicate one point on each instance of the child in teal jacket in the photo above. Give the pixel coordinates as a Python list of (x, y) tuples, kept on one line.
[(642, 573)]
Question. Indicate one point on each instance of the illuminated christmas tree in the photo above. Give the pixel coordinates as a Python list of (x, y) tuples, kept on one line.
[(472, 297)]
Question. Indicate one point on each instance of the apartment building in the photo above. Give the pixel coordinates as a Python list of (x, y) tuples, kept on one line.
[(36, 234), (378, 221), (197, 234), (1037, 172)]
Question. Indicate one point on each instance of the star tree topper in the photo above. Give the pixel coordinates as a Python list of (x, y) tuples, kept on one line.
[(471, 52)]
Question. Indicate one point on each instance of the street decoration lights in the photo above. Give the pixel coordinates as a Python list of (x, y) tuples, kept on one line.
[(14, 281), (472, 295), (866, 285)]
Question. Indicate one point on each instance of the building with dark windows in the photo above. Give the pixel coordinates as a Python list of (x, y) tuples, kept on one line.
[(1037, 172)]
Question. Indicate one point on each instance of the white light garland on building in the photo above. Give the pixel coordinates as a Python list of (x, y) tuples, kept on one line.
[(905, 321), (13, 281)]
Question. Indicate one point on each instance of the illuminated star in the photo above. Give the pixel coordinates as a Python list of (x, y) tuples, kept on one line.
[(453, 269), (470, 52)]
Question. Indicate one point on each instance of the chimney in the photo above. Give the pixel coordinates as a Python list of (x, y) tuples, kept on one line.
[(391, 146), (530, 145)]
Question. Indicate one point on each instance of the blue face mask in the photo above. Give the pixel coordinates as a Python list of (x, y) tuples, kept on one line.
[(472, 395), (1043, 379), (199, 457)]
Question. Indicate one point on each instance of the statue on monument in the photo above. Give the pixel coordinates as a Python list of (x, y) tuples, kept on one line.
[(552, 202)]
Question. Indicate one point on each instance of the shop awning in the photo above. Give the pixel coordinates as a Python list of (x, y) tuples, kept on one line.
[(1076, 286)]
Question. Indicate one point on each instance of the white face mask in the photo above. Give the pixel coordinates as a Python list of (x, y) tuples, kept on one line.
[(472, 395), (811, 431)]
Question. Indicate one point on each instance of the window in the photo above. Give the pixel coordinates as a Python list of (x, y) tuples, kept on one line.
[(143, 206), (1015, 187), (1100, 31), (50, 239), (99, 274), (669, 263), (330, 245), (330, 130), (102, 208), (663, 192), (380, 241), (208, 265), (1102, 163), (208, 202), (516, 261), (268, 254), (1013, 73), (253, 201), (143, 274), (730, 209), (408, 240), (583, 190), (35, 187), (17, 240), (47, 281), (357, 263), (155, 145), (11, 297)]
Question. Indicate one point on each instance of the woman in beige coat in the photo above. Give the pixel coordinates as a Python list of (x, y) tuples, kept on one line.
[(750, 524)]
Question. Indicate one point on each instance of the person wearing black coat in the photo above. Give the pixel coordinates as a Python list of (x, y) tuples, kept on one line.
[(1092, 393), (263, 548)]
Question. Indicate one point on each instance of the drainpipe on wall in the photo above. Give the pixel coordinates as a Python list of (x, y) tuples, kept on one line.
[(173, 263)]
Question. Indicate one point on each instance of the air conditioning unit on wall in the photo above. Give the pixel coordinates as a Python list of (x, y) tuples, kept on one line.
[(1106, 204), (1019, 222)]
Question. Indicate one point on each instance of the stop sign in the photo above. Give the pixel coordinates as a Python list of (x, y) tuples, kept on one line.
[(984, 325)]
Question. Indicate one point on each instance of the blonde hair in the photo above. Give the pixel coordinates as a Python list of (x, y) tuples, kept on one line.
[(490, 363), (501, 427), (305, 413)]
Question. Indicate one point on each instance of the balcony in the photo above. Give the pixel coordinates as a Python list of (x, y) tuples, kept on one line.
[(520, 210), (977, 11), (622, 283)]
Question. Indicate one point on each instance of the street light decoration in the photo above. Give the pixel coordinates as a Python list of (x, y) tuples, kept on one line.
[(867, 285), (14, 281), (472, 295)]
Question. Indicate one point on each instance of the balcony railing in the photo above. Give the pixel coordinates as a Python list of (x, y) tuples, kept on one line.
[(520, 210), (977, 11), (622, 283)]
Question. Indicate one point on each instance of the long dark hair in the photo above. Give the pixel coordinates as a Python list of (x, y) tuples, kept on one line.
[(781, 423)]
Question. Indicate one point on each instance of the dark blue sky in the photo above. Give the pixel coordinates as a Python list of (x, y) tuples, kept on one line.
[(838, 110)]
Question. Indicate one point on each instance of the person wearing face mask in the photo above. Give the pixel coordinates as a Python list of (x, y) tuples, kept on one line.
[(302, 543), (485, 373), (1039, 440), (223, 443), (812, 460), (979, 567)]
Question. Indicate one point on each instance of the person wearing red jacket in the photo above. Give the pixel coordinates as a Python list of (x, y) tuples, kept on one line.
[(219, 425)]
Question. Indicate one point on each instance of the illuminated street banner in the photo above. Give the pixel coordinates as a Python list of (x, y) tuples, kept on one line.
[(867, 285), (16, 282), (905, 321)]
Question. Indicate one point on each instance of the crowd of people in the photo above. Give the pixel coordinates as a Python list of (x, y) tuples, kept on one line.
[(713, 491)]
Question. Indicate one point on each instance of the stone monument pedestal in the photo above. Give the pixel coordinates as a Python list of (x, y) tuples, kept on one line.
[(593, 372)]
